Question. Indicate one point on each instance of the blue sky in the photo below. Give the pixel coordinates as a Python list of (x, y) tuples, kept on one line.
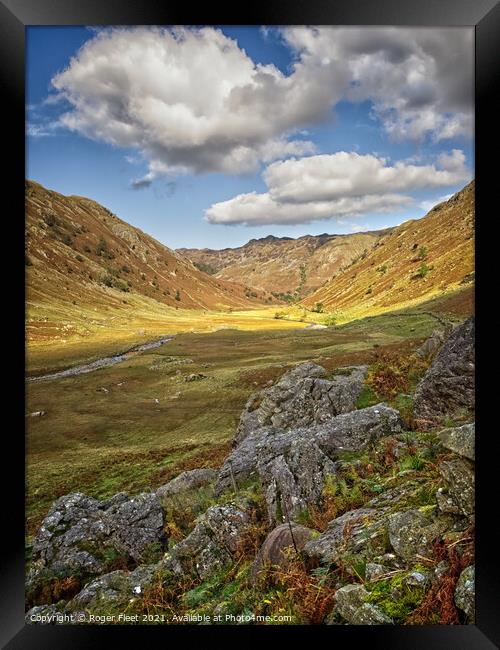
[(211, 138)]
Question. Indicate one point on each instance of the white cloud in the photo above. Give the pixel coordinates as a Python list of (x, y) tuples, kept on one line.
[(187, 99), (192, 100), (347, 174), (344, 184), (261, 209), (420, 80)]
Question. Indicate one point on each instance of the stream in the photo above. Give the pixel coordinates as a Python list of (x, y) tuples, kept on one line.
[(102, 363)]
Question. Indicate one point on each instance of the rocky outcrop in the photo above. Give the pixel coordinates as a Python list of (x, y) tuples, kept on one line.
[(114, 586), (79, 530), (283, 538), (465, 593), (412, 532), (293, 465), (211, 545), (189, 480), (460, 440), (351, 606), (447, 388), (353, 532), (457, 495), (294, 479), (302, 397), (350, 431)]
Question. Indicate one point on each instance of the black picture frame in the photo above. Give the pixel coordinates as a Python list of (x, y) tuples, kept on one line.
[(15, 15)]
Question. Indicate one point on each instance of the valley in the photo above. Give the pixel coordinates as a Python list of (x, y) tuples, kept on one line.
[(140, 420)]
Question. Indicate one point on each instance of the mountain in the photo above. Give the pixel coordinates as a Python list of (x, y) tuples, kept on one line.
[(79, 254), (285, 266), (415, 261)]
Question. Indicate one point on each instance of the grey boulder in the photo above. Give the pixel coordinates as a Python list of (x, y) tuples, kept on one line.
[(447, 388), (465, 592), (212, 544), (460, 440), (284, 538), (351, 606), (78, 531), (303, 396), (114, 586), (189, 480)]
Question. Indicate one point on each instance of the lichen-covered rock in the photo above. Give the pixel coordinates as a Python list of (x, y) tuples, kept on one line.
[(78, 531), (136, 524), (374, 570), (412, 532), (303, 396), (351, 606), (280, 540), (447, 388), (211, 545), (42, 615), (117, 585), (458, 495), (189, 480), (350, 431), (417, 579), (295, 479), (369, 614), (355, 531), (465, 593), (461, 440)]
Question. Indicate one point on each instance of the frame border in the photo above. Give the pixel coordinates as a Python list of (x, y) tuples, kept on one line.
[(484, 15)]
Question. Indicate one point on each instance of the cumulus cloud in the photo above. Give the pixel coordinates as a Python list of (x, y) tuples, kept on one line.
[(254, 209), (343, 184), (348, 174), (190, 100), (420, 80)]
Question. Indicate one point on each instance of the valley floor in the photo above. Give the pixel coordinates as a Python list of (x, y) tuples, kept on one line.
[(138, 423)]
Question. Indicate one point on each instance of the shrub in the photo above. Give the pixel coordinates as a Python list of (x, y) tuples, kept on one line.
[(422, 271), (422, 253), (177, 295), (318, 308)]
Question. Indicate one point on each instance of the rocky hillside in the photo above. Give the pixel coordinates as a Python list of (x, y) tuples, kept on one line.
[(79, 253), (334, 507), (413, 262), (293, 268)]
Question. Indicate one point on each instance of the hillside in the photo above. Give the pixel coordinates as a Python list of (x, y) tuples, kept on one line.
[(80, 257), (291, 267), (413, 262)]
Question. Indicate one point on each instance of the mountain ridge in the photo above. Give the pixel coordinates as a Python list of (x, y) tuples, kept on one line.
[(289, 267), (415, 261)]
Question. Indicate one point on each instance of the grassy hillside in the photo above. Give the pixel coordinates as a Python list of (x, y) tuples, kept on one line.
[(414, 262), (290, 268), (86, 267)]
